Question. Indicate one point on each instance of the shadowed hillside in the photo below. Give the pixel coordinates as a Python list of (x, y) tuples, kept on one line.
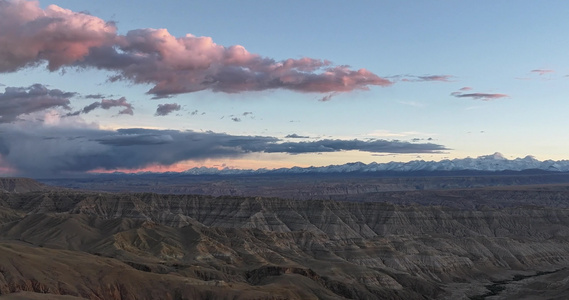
[(22, 185), (151, 246)]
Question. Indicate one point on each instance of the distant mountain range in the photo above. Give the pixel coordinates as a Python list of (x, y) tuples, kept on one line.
[(486, 163)]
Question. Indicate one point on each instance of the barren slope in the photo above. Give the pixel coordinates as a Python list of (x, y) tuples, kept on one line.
[(269, 248)]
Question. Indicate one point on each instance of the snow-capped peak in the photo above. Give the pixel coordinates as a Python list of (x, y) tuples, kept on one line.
[(495, 156), (488, 163)]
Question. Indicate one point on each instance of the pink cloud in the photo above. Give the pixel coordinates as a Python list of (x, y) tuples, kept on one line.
[(188, 64), (31, 35), (542, 71), (173, 65), (466, 88)]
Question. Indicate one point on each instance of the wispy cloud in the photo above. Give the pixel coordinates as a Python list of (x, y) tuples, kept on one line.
[(412, 103), (482, 96), (95, 96), (543, 71), (477, 96), (107, 104), (173, 65), (327, 97), (390, 134), (424, 78), (239, 117)]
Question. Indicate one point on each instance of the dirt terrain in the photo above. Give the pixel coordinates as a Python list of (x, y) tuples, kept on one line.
[(489, 243)]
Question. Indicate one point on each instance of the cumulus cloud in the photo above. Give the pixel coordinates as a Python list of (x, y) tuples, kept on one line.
[(83, 149), (477, 96), (107, 104), (173, 65), (18, 101), (31, 35), (165, 109)]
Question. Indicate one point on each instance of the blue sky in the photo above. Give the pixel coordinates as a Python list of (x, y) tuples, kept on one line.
[(468, 78)]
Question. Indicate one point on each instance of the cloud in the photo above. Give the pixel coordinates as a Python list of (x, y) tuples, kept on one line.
[(542, 71), (477, 96), (481, 96), (335, 145), (18, 101), (165, 109), (443, 78), (107, 104), (78, 149), (412, 103), (389, 134), (236, 119), (94, 96), (424, 78), (31, 35), (296, 136), (173, 65), (327, 97), (121, 102)]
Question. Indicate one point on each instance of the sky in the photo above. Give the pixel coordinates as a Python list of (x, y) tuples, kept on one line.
[(103, 86)]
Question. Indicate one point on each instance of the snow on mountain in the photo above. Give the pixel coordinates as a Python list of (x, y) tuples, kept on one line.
[(493, 163)]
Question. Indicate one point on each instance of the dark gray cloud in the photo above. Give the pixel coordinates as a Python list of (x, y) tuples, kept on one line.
[(44, 151), (95, 96), (165, 109), (335, 145), (477, 96), (236, 119), (296, 136), (107, 104), (327, 97), (18, 101)]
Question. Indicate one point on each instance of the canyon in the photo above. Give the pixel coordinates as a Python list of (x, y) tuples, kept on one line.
[(490, 242)]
